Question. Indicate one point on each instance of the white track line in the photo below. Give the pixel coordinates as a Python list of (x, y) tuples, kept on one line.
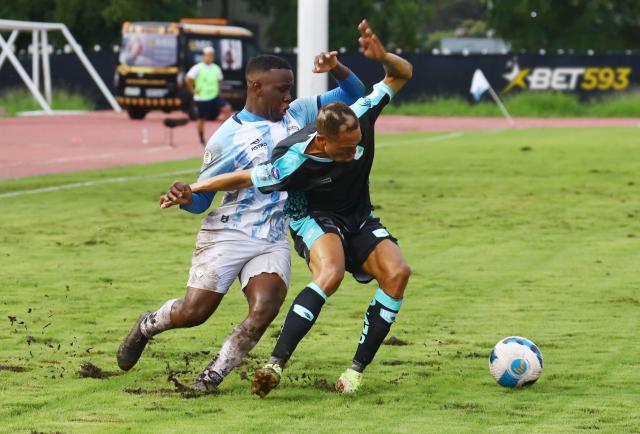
[(85, 157), (103, 181)]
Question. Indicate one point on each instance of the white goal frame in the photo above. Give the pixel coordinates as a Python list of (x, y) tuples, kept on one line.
[(40, 50)]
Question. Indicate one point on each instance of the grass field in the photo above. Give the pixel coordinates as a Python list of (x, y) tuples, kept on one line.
[(522, 232), (13, 101)]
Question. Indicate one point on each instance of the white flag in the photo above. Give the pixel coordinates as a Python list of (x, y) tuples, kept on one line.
[(479, 84)]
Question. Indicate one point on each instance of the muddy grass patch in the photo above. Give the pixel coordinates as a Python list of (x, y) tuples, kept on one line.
[(393, 340), (13, 368), (309, 381), (467, 407), (89, 370)]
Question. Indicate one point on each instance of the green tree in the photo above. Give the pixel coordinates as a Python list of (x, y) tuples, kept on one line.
[(399, 23), (577, 24), (96, 21)]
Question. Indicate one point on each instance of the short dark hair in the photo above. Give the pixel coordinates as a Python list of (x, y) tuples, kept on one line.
[(265, 62), (334, 118)]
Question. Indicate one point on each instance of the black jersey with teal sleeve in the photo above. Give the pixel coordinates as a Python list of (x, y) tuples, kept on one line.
[(341, 188)]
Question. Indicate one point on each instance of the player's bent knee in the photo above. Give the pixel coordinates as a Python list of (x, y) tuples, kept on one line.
[(191, 316), (261, 316), (330, 278), (396, 280)]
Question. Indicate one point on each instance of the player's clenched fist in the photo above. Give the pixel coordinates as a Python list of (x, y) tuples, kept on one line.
[(179, 194), (325, 62)]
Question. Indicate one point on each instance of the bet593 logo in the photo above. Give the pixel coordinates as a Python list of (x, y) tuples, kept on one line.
[(567, 78)]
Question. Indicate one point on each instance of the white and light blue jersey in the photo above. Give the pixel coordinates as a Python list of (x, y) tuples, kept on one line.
[(242, 142)]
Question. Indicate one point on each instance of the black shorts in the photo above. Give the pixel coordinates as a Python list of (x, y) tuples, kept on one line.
[(357, 244), (210, 109)]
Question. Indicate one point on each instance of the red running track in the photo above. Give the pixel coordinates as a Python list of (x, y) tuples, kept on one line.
[(65, 143)]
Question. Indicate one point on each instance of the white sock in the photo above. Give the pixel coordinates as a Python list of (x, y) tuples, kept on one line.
[(158, 321)]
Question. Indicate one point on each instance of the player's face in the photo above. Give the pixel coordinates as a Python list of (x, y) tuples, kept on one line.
[(342, 149), (208, 58), (275, 93)]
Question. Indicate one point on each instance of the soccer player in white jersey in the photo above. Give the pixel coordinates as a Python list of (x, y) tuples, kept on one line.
[(245, 236)]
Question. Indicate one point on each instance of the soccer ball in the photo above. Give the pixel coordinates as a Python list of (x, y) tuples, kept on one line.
[(515, 362)]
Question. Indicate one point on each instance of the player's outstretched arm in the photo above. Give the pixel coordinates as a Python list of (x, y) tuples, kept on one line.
[(398, 70), (225, 182), (181, 194)]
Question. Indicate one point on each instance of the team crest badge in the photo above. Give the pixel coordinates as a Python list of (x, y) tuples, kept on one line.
[(275, 173)]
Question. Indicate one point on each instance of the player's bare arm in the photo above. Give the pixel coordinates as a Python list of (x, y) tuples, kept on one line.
[(398, 70), (225, 182), (180, 193)]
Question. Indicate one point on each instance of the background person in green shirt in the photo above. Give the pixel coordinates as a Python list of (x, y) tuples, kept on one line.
[(203, 81)]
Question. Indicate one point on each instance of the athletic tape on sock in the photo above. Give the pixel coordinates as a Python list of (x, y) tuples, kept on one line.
[(158, 321)]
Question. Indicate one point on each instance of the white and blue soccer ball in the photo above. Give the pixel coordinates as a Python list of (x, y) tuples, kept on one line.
[(515, 362)]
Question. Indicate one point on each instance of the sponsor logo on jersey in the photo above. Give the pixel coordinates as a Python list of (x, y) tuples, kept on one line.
[(324, 181), (207, 157), (381, 233), (257, 144), (365, 101), (585, 78), (359, 152)]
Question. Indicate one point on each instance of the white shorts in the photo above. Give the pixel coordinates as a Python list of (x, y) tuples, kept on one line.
[(222, 255)]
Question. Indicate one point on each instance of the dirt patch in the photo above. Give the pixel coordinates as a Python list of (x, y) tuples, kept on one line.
[(628, 300), (426, 363), (474, 355), (89, 370), (13, 368), (172, 377), (394, 362), (311, 381), (393, 340), (141, 391), (469, 407), (397, 380)]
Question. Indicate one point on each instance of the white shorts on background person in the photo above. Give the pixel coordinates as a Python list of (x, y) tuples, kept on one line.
[(219, 258)]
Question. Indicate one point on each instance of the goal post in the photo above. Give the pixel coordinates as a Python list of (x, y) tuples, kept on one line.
[(40, 52), (313, 37)]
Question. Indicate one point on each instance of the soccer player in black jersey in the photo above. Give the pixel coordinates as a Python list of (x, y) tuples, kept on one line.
[(325, 168)]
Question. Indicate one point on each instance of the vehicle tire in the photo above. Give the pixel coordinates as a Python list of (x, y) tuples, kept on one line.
[(136, 113)]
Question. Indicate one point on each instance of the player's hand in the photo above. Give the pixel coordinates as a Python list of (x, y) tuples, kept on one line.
[(325, 62), (371, 46), (179, 194)]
